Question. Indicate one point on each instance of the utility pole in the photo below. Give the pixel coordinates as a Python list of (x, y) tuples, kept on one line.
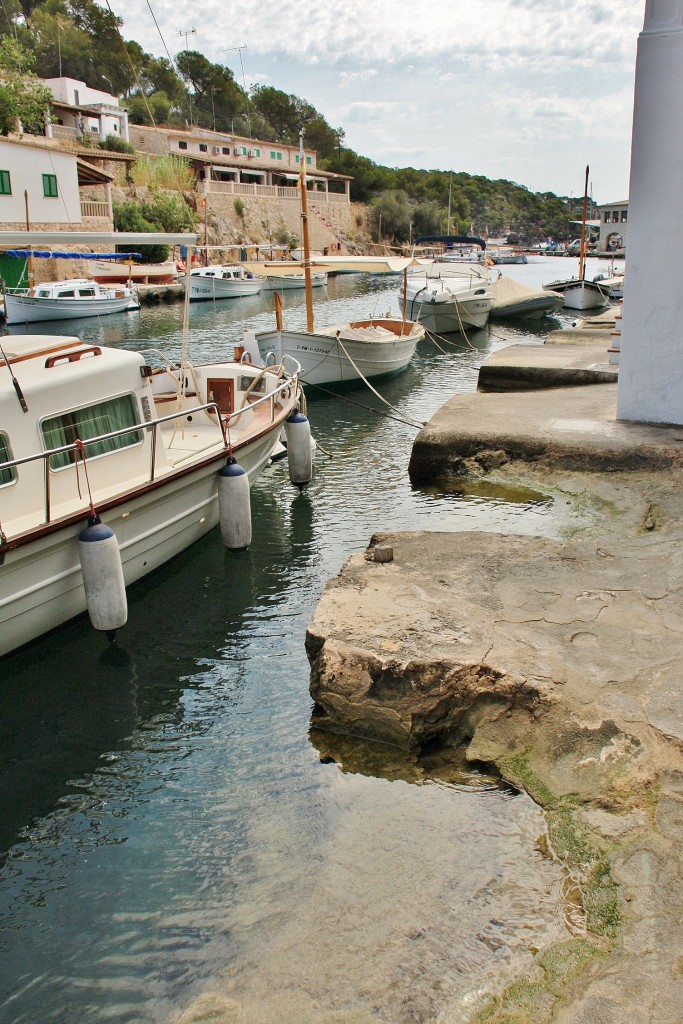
[(188, 32), (238, 49)]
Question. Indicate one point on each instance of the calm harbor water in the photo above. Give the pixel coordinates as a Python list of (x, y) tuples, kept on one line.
[(170, 827)]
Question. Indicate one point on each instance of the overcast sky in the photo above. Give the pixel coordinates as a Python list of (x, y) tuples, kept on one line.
[(528, 90)]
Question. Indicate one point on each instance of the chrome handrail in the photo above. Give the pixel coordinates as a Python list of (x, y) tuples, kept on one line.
[(222, 423)]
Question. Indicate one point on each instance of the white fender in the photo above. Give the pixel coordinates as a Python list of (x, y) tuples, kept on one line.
[(234, 506), (299, 455), (105, 590)]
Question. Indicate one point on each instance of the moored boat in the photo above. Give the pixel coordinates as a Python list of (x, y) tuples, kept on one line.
[(229, 281), (89, 429), (374, 347), (449, 296), (135, 273), (515, 301), (293, 282), (66, 300)]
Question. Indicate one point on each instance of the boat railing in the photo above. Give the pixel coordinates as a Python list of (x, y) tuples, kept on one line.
[(79, 447)]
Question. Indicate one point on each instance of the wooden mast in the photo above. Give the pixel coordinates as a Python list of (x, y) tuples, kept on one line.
[(304, 235), (582, 251)]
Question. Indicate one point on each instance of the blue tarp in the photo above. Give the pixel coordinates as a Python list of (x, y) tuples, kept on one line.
[(23, 254)]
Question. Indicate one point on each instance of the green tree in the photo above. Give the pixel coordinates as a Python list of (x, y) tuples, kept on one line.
[(23, 97)]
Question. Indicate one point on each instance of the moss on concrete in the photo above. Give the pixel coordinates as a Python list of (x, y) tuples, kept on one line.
[(535, 998)]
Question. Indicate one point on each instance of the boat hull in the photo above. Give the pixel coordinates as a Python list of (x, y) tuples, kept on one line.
[(452, 315), (326, 360), (41, 585), (579, 294), (292, 282), (207, 289), (22, 309)]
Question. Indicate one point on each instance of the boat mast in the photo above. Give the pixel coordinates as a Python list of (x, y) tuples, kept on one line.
[(304, 235), (582, 251)]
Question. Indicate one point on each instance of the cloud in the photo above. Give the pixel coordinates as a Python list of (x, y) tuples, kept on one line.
[(346, 77)]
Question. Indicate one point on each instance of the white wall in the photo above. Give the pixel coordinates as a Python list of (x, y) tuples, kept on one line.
[(26, 165), (651, 362)]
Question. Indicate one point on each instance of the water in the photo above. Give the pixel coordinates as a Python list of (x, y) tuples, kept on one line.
[(173, 837)]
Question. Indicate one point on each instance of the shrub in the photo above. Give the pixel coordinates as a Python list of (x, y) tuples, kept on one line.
[(239, 207)]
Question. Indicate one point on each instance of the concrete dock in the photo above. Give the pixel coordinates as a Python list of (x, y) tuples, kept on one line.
[(556, 662)]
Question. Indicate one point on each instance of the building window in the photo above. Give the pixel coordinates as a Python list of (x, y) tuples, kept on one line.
[(9, 474), (94, 128), (257, 152), (92, 421), (624, 216), (226, 150), (5, 184), (50, 186), (182, 145), (608, 216), (203, 148), (77, 98), (308, 160), (115, 127), (243, 150)]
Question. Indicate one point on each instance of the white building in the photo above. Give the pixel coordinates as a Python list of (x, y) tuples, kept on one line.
[(613, 226), (79, 110), (40, 186)]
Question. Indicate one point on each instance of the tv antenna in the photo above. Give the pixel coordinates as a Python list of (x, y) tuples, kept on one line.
[(238, 49), (187, 32)]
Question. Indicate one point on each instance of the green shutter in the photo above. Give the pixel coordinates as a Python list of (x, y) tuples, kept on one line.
[(50, 186), (5, 184)]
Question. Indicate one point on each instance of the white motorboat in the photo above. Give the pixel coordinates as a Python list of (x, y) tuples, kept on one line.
[(577, 292), (368, 348), (229, 281), (66, 300), (506, 254), (290, 282), (448, 296), (513, 300), (88, 429)]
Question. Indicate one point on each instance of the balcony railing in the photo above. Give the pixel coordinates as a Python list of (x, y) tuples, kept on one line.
[(90, 208), (242, 188)]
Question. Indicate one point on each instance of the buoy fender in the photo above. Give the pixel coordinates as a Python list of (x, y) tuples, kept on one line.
[(234, 506), (102, 571), (299, 452)]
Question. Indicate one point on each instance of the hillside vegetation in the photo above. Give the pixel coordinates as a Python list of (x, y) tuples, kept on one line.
[(79, 39)]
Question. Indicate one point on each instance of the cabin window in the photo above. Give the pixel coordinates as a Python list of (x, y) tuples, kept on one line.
[(86, 293), (92, 421), (66, 295), (50, 186), (5, 184), (8, 474), (182, 145)]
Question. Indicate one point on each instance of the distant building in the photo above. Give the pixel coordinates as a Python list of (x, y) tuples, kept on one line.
[(613, 224), (80, 111), (241, 166)]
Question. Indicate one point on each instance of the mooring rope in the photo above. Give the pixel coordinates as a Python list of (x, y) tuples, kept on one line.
[(374, 391)]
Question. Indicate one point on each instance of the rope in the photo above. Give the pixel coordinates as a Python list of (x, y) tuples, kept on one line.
[(359, 405), (80, 447), (366, 381)]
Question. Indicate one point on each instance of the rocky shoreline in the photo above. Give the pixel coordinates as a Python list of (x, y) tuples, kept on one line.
[(553, 662)]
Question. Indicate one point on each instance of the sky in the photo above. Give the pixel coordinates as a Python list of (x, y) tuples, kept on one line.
[(532, 91)]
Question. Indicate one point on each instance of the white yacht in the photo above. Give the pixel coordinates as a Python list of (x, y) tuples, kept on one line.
[(66, 300), (89, 431)]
